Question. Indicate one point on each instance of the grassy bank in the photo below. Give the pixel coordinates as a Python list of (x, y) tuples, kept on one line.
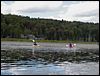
[(52, 41), (15, 39)]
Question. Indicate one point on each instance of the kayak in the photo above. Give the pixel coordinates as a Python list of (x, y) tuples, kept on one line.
[(36, 45)]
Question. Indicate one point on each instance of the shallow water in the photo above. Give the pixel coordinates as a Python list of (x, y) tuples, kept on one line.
[(63, 68), (28, 45), (48, 59)]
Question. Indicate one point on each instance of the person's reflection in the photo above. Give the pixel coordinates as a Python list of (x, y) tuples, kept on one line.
[(33, 50)]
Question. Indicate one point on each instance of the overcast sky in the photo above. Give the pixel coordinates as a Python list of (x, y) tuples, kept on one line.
[(85, 11)]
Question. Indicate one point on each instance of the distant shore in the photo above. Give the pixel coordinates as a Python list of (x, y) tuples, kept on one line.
[(50, 41)]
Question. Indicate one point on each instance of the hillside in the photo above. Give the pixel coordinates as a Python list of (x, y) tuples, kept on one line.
[(14, 26)]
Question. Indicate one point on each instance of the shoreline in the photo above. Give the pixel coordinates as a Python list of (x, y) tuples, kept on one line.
[(44, 41)]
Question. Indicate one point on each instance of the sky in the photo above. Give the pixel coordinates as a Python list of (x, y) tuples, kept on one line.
[(84, 11)]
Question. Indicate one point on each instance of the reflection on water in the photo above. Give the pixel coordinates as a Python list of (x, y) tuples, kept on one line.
[(31, 62)]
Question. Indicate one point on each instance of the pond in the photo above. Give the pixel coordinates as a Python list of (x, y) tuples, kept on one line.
[(48, 59)]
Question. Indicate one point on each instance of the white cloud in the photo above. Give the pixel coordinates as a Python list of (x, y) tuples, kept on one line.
[(5, 9), (85, 11), (31, 6), (82, 11), (83, 7)]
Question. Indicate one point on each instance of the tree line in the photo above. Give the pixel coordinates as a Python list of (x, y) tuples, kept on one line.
[(14, 26)]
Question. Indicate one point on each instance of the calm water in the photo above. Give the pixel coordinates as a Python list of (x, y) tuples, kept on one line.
[(49, 59)]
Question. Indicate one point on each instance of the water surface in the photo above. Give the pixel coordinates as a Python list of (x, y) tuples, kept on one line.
[(48, 59)]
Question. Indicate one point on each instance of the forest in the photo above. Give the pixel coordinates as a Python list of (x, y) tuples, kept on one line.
[(13, 26)]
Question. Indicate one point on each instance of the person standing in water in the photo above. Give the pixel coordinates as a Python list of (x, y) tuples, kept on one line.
[(34, 42), (70, 45)]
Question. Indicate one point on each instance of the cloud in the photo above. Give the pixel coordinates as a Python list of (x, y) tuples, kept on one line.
[(31, 6), (91, 13), (85, 11), (82, 7), (35, 10), (8, 3), (5, 9), (82, 11)]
